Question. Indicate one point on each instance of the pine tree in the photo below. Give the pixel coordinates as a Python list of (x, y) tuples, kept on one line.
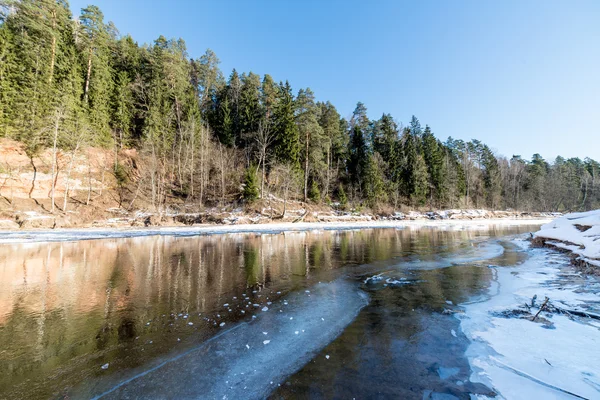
[(269, 95), (206, 78)]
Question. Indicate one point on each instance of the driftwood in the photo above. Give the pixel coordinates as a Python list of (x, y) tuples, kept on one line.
[(544, 304), (585, 314), (301, 218)]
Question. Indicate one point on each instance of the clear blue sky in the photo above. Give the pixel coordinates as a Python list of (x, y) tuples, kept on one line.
[(522, 76)]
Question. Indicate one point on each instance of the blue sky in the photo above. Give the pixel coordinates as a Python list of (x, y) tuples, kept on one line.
[(522, 76)]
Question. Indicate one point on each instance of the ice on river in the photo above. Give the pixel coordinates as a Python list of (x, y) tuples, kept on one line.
[(522, 359), (73, 234), (240, 362)]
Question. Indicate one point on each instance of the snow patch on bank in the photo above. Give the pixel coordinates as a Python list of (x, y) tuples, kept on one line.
[(576, 232), (522, 359)]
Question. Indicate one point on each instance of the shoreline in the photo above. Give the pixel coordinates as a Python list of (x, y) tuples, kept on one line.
[(74, 234)]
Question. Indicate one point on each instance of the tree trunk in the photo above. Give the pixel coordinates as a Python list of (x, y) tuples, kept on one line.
[(306, 168), (87, 78), (89, 196), (222, 174), (52, 59), (68, 178), (202, 148), (34, 175), (192, 144), (328, 170), (262, 181), (54, 160)]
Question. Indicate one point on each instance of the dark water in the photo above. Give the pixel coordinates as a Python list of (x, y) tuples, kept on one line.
[(182, 308)]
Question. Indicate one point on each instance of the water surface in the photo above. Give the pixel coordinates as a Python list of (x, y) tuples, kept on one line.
[(155, 307)]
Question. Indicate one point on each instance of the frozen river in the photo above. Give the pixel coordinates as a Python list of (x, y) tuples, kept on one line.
[(369, 313)]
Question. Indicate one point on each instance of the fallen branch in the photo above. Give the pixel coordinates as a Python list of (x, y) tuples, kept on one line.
[(584, 314), (541, 308), (301, 218)]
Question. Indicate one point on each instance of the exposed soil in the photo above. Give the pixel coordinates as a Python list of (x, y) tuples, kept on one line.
[(96, 199)]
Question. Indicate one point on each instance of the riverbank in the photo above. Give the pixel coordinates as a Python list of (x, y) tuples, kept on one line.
[(70, 234), (536, 334), (577, 234)]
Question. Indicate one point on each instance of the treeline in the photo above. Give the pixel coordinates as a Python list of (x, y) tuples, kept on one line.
[(207, 139)]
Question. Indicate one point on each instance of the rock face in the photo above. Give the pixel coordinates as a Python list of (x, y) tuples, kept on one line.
[(32, 220), (86, 170), (8, 224)]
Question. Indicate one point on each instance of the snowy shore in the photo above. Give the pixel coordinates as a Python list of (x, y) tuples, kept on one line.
[(577, 233), (523, 357), (70, 234)]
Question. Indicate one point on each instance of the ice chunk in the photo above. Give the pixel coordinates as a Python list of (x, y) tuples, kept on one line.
[(184, 377)]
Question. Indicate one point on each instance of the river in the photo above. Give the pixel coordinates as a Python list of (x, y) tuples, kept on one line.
[(366, 313)]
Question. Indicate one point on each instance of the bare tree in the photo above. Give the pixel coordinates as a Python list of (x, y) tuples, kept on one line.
[(264, 139), (285, 177)]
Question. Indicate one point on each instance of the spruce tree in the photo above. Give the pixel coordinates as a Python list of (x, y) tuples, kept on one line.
[(358, 159), (335, 145), (434, 159), (287, 140), (250, 192), (311, 137), (95, 40)]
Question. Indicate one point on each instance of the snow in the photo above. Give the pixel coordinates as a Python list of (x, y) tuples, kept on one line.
[(102, 233), (522, 359), (583, 242)]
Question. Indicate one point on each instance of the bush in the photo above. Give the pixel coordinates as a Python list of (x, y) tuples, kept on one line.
[(120, 174)]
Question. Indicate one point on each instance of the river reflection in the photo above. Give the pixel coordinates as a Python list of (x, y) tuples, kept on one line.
[(68, 308)]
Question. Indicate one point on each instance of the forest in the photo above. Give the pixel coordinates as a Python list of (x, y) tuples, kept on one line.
[(205, 137)]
